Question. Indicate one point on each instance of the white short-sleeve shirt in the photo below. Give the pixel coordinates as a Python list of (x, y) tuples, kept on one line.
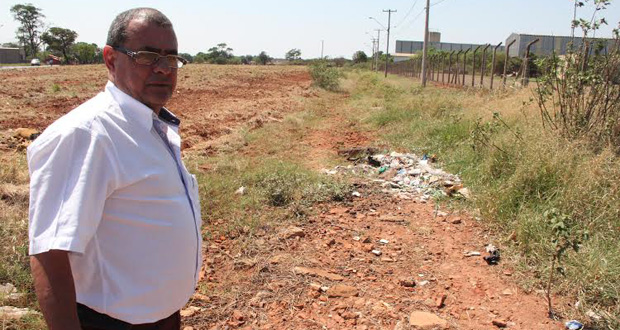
[(104, 186)]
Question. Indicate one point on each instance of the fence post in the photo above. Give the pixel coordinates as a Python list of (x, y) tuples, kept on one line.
[(456, 76), (465, 65), (507, 59), (473, 70), (493, 65), (450, 67), (526, 69), (483, 70)]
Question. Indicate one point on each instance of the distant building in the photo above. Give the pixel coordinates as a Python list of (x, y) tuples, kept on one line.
[(12, 55), (405, 49), (549, 44)]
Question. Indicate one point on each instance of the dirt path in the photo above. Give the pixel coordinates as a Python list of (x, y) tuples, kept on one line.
[(326, 274)]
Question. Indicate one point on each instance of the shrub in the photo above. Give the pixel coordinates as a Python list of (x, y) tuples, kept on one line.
[(325, 76)]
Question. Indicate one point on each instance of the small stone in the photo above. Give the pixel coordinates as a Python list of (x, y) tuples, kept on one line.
[(456, 221), (315, 287), (317, 272), (376, 252), (237, 315), (14, 313), (408, 283), (189, 311), (331, 242), (440, 301), (350, 315), (356, 194), (341, 290), (507, 292), (356, 238), (472, 254), (367, 240), (384, 241), (423, 283), (499, 323), (292, 232), (426, 321)]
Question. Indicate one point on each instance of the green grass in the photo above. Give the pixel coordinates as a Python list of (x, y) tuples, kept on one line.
[(517, 171)]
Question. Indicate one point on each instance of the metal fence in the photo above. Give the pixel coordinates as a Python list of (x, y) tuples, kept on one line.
[(475, 67)]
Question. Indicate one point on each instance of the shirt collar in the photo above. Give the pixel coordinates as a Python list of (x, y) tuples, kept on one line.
[(137, 111)]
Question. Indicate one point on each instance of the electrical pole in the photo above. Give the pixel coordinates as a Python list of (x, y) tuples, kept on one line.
[(387, 51), (322, 46), (425, 47), (377, 52)]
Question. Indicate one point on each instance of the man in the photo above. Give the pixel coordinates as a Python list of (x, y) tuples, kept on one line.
[(114, 214)]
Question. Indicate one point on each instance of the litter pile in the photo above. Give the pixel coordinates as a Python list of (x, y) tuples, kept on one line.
[(405, 175)]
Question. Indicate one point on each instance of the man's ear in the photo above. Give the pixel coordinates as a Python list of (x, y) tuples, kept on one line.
[(109, 57)]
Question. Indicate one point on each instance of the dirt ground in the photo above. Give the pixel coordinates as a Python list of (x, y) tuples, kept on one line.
[(323, 273)]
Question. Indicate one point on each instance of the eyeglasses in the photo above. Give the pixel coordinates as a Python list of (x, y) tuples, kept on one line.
[(149, 58)]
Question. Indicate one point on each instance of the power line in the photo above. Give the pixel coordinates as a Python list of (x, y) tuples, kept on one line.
[(438, 2), (411, 22), (407, 15)]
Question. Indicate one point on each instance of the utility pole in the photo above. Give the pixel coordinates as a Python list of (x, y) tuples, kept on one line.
[(377, 52), (322, 46), (425, 46), (387, 51)]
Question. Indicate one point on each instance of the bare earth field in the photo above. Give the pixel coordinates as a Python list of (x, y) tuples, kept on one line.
[(318, 275)]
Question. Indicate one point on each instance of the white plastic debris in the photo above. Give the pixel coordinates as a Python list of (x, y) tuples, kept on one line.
[(356, 194), (383, 241), (240, 191), (472, 254), (376, 252)]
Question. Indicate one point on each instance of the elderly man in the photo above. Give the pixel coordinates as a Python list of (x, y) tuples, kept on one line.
[(114, 214)]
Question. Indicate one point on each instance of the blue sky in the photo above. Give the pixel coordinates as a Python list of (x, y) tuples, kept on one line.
[(250, 27)]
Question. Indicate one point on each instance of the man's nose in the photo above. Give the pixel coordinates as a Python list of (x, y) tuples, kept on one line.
[(162, 66)]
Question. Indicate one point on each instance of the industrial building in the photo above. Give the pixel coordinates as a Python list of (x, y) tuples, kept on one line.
[(547, 45), (404, 49), (12, 55)]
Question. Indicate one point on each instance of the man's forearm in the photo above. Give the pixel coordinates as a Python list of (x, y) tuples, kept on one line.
[(53, 282)]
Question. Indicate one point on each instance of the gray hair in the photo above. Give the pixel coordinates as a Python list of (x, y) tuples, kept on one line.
[(117, 34)]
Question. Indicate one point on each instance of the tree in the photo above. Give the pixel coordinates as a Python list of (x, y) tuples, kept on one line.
[(201, 58), (247, 59), (60, 40), (220, 54), (360, 57), (86, 53), (263, 58), (29, 33), (293, 55), (187, 56)]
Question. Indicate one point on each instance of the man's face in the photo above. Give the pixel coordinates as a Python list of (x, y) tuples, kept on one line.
[(150, 84)]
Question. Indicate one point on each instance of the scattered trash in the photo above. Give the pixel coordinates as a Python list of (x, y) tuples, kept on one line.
[(493, 257), (472, 254), (356, 194), (423, 283), (376, 252), (406, 175), (383, 241), (593, 315), (240, 191), (573, 325), (357, 238)]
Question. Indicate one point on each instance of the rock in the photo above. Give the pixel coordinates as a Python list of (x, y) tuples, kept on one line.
[(350, 315), (191, 310), (465, 193), (440, 301), (26, 133), (456, 221), (341, 290), (356, 194), (376, 252), (367, 240), (507, 292), (426, 321), (14, 313), (384, 241), (7, 289), (237, 315), (201, 297), (317, 272), (292, 232), (406, 282), (499, 323)]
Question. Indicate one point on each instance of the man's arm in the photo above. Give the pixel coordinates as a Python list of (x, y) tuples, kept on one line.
[(53, 282)]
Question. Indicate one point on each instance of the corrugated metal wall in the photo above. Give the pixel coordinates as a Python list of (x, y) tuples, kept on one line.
[(10, 55), (411, 47), (549, 44)]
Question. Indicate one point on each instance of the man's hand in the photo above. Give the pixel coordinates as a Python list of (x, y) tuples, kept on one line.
[(53, 283)]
